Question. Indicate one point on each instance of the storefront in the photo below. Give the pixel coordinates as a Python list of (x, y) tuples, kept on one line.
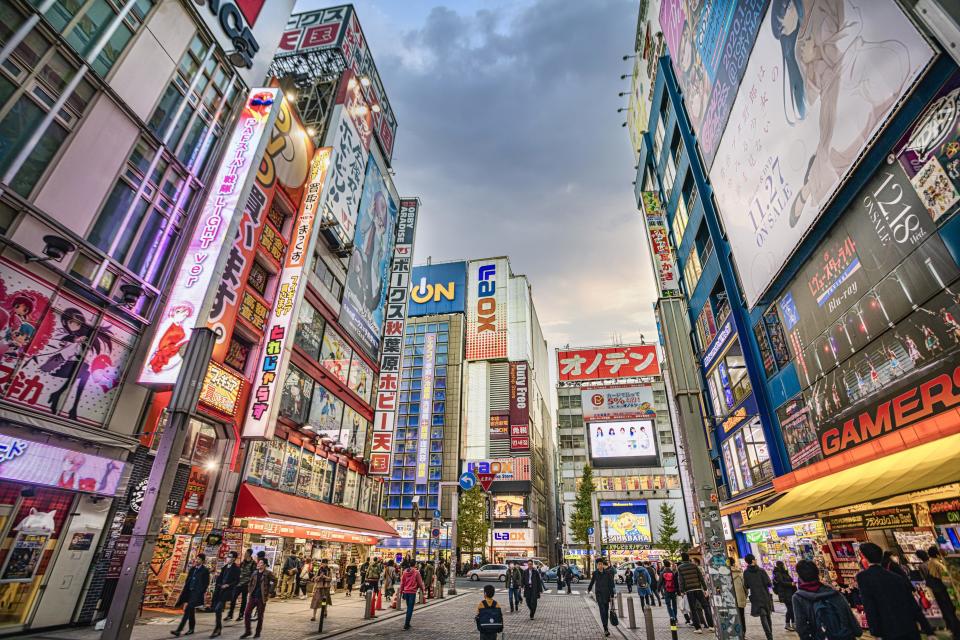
[(790, 543), (428, 545), (513, 543)]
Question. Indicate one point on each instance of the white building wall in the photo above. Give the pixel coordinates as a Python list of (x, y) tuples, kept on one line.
[(476, 422)]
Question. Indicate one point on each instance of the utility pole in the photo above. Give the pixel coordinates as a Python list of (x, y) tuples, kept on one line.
[(683, 383), (416, 525), (183, 402)]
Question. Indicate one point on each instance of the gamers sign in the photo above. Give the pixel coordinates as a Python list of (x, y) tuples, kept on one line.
[(236, 19)]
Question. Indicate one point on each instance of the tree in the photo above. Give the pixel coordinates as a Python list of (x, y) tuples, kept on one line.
[(668, 529), (472, 525), (582, 517)]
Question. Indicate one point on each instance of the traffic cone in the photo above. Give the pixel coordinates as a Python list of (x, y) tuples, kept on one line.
[(379, 601)]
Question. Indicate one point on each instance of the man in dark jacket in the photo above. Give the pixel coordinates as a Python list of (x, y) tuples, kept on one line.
[(247, 567), (514, 580), (812, 594), (194, 589), (757, 583), (224, 587), (261, 587), (604, 581), (691, 583), (532, 587), (892, 612)]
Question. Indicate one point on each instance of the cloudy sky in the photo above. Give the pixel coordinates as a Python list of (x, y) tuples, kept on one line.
[(509, 133)]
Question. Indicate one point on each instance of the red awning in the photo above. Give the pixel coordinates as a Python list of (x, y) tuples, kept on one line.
[(257, 502)]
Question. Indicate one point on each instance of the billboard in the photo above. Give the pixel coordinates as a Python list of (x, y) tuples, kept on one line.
[(277, 344), (623, 443), (365, 293), (385, 408), (510, 507), (348, 167), (624, 521), (661, 251), (506, 469), (44, 464), (438, 288), (795, 136), (487, 309), (607, 363), (426, 407), (519, 406), (709, 44), (799, 434), (617, 403), (193, 292)]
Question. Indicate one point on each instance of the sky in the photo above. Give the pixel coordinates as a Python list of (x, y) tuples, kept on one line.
[(508, 132)]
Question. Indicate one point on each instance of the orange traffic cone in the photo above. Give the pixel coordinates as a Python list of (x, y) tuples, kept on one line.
[(379, 597)]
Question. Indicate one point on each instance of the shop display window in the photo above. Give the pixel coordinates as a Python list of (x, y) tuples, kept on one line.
[(351, 489), (295, 398), (339, 484), (309, 334), (746, 457)]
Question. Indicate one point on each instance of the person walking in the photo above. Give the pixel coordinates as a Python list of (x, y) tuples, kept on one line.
[(757, 583), (389, 579), (654, 584), (935, 575), (693, 586), (428, 575), (514, 584), (821, 612), (489, 615), (351, 577), (322, 580), (890, 563), (532, 587), (372, 578), (668, 578), (628, 580), (289, 576), (604, 581), (739, 591), (191, 597), (892, 611), (561, 576), (261, 586), (224, 588), (442, 574), (303, 580), (641, 578), (247, 567), (569, 577), (410, 584), (784, 587)]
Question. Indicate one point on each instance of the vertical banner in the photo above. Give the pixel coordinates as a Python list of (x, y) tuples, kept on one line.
[(519, 407), (193, 291), (426, 407), (395, 319), (275, 352), (487, 309), (660, 250)]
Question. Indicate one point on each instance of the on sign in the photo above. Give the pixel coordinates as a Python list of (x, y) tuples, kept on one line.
[(608, 363)]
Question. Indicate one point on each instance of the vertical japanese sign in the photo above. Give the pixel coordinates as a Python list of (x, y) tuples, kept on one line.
[(395, 318), (487, 309), (519, 406), (660, 250), (426, 407), (341, 201), (275, 354), (193, 292)]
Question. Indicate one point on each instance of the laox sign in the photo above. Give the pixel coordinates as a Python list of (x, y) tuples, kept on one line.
[(235, 20), (486, 302)]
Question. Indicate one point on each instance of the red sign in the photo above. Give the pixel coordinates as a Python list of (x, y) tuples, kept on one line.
[(486, 480), (608, 363)]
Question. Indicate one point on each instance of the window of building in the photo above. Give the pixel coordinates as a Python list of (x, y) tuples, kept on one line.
[(259, 278), (658, 141), (692, 270), (309, 334), (729, 380), (84, 23), (679, 224), (746, 458), (327, 277), (706, 325), (237, 353)]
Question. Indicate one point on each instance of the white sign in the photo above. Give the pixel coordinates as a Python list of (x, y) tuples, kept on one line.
[(625, 439), (617, 403), (347, 169)]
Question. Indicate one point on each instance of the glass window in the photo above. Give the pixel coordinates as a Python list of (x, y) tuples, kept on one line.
[(361, 378), (84, 23), (295, 398), (237, 353), (745, 457), (692, 269), (679, 224), (309, 334), (729, 378), (335, 355), (327, 277)]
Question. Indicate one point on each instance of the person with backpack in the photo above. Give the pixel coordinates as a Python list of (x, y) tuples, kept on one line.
[(351, 577), (410, 584), (739, 591), (605, 582), (937, 578), (641, 578), (670, 589), (757, 583), (691, 583), (489, 615), (784, 588), (892, 611), (822, 612)]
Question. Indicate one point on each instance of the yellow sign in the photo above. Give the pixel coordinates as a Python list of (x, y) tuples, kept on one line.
[(221, 389), (735, 418)]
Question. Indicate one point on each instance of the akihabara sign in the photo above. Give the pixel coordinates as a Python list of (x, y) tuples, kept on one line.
[(395, 318), (660, 250), (193, 291), (338, 29), (43, 464), (487, 283), (275, 354), (519, 406), (608, 363)]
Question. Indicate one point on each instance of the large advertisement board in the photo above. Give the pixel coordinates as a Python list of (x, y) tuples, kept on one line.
[(519, 406), (617, 403), (361, 314), (487, 309), (426, 407), (624, 521), (193, 292), (438, 288), (348, 168), (506, 469), (819, 86), (623, 443), (709, 44), (607, 363), (664, 265), (44, 464)]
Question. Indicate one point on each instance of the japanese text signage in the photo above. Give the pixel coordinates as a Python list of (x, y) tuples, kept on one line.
[(617, 403), (395, 318), (886, 518), (607, 363), (519, 406), (221, 389), (193, 291), (39, 463), (341, 200), (487, 309), (664, 264), (946, 512), (426, 407)]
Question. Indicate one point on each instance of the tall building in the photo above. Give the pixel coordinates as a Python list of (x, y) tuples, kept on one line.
[(613, 415), (819, 265)]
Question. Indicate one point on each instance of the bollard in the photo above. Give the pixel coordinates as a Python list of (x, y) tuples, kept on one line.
[(368, 601), (648, 621), (323, 614), (619, 604), (673, 629), (631, 614)]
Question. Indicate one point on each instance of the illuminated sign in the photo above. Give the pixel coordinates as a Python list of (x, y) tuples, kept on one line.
[(607, 363), (519, 407), (719, 342), (617, 403), (623, 443), (886, 518), (43, 464), (624, 521), (946, 512), (426, 407), (661, 251), (487, 309), (221, 389), (505, 469)]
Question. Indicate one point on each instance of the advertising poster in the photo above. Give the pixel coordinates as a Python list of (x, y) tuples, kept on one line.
[(335, 354), (291, 466), (709, 42), (607, 363), (353, 433), (361, 314), (799, 433), (519, 406), (624, 521), (509, 507), (820, 84), (24, 557), (221, 389), (664, 265), (623, 443), (617, 403), (326, 413), (192, 296), (44, 464), (361, 378), (499, 426), (295, 395), (426, 407), (487, 284), (438, 288), (196, 491), (342, 193)]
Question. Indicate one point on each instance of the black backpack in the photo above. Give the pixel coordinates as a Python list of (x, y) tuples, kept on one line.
[(490, 619), (832, 619)]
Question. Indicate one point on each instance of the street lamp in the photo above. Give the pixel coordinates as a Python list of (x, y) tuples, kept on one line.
[(416, 525)]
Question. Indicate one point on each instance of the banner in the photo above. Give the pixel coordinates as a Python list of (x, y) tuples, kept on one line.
[(664, 266), (795, 134), (607, 363), (624, 521), (348, 165), (627, 443), (193, 292), (438, 288), (44, 464), (426, 407), (617, 403), (799, 433), (275, 353), (487, 309), (519, 407)]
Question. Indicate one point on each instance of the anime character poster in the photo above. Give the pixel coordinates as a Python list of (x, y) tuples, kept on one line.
[(335, 354), (326, 413), (361, 378), (58, 354), (624, 521), (366, 289), (823, 78), (295, 398)]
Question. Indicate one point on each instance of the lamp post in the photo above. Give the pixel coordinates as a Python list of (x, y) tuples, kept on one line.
[(416, 525)]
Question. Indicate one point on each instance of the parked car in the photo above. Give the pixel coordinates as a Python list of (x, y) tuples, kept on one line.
[(496, 572), (551, 574)]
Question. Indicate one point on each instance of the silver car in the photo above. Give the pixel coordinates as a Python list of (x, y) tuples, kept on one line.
[(490, 572)]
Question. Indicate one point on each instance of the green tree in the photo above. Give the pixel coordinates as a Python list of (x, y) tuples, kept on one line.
[(666, 534), (582, 517), (472, 525)]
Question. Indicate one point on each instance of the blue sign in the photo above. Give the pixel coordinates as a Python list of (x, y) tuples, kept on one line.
[(590, 531), (436, 513), (719, 342), (438, 288), (468, 480)]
